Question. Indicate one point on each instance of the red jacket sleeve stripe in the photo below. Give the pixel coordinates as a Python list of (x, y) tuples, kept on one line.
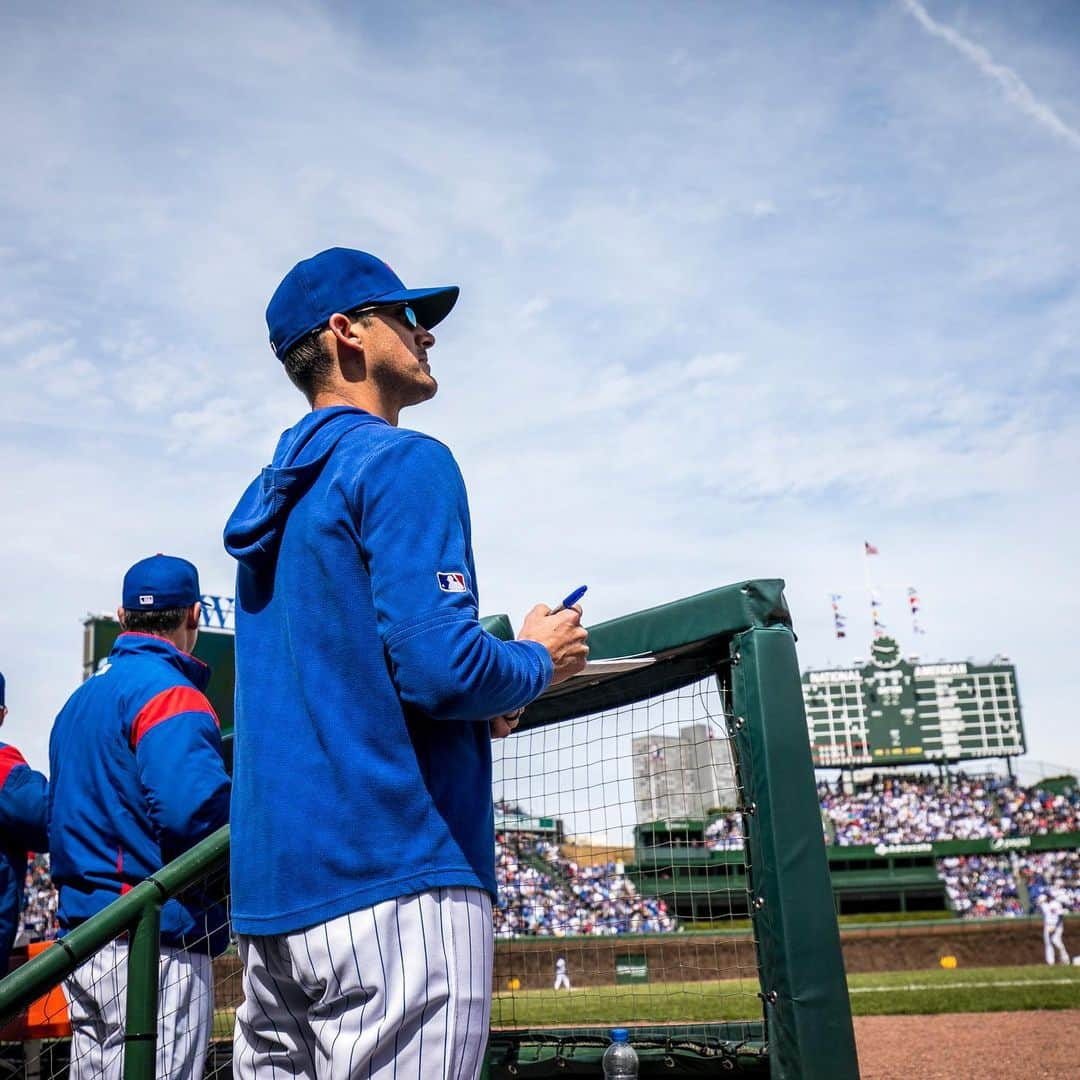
[(9, 758), (166, 705)]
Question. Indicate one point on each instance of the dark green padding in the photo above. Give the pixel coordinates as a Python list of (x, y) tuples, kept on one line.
[(684, 636), (799, 959)]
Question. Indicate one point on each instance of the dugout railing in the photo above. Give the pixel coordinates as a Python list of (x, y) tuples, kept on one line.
[(607, 752)]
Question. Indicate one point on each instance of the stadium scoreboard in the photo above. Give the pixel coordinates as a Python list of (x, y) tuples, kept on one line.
[(892, 711)]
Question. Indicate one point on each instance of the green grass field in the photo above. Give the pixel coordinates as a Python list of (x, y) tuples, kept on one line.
[(887, 993), (1000, 989)]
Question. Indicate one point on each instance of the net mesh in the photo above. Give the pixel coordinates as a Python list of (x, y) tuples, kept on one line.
[(77, 1029), (617, 836), (623, 900)]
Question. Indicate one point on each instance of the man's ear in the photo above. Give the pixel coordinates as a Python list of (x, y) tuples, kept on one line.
[(341, 326), (345, 337), (120, 617), (194, 616)]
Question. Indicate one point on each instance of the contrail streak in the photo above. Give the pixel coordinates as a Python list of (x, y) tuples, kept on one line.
[(1016, 90)]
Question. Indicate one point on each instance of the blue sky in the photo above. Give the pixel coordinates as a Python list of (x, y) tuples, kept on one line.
[(742, 286)]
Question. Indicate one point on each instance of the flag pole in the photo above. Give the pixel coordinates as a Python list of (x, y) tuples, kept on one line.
[(869, 586)]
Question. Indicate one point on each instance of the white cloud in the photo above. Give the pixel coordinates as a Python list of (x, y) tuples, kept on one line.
[(654, 381)]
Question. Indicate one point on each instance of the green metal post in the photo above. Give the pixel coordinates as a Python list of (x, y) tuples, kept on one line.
[(52, 966), (800, 964), (140, 1033)]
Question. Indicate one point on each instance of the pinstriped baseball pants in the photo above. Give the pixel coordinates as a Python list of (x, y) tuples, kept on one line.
[(97, 1002), (401, 989)]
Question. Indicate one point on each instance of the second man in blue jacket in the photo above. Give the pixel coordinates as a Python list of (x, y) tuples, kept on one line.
[(137, 778)]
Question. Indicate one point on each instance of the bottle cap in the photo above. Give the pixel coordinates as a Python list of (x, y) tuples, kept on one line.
[(620, 1035)]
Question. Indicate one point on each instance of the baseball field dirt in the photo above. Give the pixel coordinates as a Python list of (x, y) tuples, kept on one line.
[(987, 1046)]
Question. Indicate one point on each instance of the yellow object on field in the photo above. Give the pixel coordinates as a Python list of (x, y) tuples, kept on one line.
[(948, 962), (513, 984)]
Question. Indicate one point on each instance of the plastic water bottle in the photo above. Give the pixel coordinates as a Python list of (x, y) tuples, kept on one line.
[(620, 1058)]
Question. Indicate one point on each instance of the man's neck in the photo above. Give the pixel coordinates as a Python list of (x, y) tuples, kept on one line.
[(181, 638), (359, 398)]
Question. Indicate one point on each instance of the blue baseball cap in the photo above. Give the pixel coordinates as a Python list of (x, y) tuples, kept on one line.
[(341, 279), (162, 581)]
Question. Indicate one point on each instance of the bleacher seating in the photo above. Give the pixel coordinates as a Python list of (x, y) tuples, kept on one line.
[(542, 893), (565, 898)]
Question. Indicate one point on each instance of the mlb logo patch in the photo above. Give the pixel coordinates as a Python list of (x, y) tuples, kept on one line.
[(146, 598), (451, 582)]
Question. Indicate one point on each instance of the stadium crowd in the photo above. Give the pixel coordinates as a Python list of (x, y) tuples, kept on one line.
[(906, 809), (914, 809), (543, 894), (911, 809), (981, 885), (37, 921), (724, 833)]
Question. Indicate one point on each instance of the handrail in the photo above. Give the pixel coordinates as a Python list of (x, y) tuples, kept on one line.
[(48, 968)]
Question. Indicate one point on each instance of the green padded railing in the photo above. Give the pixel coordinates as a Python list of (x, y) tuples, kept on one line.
[(137, 913)]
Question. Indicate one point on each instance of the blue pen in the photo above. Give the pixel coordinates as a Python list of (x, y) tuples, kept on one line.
[(572, 599)]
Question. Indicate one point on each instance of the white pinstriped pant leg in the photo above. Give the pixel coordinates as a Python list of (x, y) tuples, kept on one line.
[(97, 1005), (401, 989)]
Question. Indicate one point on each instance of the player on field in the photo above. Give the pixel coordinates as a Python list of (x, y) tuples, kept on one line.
[(562, 979), (1053, 915), (137, 778), (23, 807), (363, 861)]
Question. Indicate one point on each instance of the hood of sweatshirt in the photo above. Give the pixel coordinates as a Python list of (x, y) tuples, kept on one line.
[(254, 529)]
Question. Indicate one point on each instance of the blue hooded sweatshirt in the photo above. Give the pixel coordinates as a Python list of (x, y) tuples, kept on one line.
[(364, 681)]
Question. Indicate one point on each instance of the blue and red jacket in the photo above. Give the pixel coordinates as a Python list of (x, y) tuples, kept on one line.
[(136, 778), (23, 807)]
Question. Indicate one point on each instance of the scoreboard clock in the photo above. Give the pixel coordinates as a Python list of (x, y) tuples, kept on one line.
[(893, 711)]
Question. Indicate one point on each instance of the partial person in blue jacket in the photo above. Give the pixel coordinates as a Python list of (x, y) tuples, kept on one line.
[(367, 693), (137, 778), (23, 807)]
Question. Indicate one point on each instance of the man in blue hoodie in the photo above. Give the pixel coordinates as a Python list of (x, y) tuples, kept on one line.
[(137, 778), (366, 697), (23, 807)]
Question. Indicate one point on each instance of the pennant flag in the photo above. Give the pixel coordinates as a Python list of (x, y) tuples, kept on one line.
[(870, 549), (913, 604), (839, 619)]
